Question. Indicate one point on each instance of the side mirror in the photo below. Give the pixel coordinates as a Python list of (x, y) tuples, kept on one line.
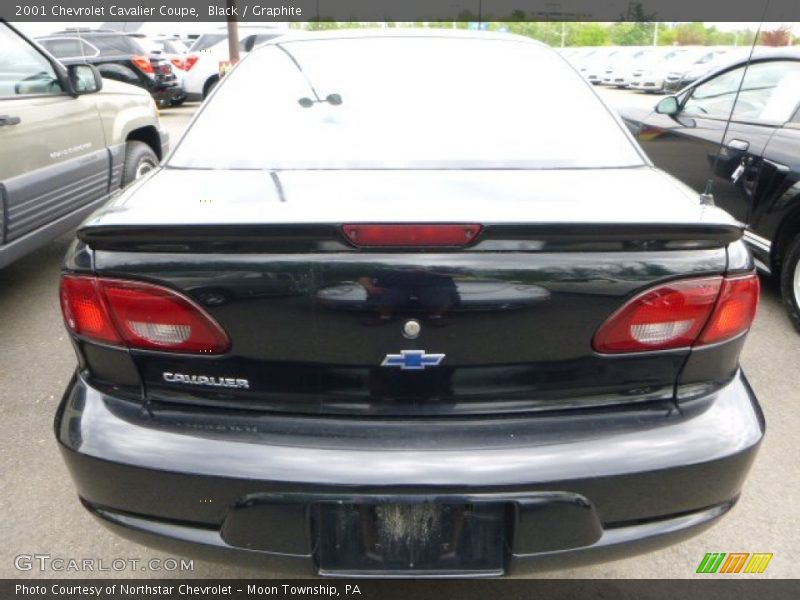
[(84, 79), (668, 106)]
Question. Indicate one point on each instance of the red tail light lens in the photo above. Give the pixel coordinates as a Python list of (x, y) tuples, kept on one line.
[(681, 314), (735, 311), (138, 315), (177, 62), (189, 62), (410, 235), (84, 311), (143, 64)]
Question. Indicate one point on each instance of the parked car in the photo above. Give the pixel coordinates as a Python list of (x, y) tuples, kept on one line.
[(594, 65), (117, 56), (618, 65), (621, 73), (175, 51), (686, 74), (755, 169), (650, 75), (68, 140), (202, 70), (591, 406)]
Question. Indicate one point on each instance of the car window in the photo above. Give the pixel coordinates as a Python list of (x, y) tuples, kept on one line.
[(246, 43), (23, 70), (174, 47), (68, 47), (207, 40), (405, 103), (118, 45), (769, 94), (149, 45)]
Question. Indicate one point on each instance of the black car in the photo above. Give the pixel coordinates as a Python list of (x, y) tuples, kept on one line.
[(118, 56), (739, 128), (418, 317)]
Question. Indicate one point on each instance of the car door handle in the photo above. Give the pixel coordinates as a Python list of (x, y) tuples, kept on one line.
[(740, 145), (8, 120)]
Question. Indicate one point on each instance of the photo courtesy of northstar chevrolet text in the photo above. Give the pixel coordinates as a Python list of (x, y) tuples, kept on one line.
[(288, 295)]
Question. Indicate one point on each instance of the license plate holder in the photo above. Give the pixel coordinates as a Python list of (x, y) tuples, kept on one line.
[(410, 537)]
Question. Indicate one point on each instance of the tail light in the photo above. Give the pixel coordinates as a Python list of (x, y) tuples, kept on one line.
[(178, 63), (138, 315), (410, 235), (681, 314), (189, 62), (143, 64)]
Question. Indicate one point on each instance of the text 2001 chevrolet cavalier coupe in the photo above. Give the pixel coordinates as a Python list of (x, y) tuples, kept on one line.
[(541, 365)]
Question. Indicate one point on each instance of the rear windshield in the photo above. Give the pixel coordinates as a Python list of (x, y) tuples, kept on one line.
[(207, 40), (404, 103)]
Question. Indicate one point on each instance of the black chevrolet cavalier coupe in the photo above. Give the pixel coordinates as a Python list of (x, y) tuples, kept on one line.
[(391, 307), (737, 132)]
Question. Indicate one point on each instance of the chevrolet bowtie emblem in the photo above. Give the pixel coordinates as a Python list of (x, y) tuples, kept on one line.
[(410, 360)]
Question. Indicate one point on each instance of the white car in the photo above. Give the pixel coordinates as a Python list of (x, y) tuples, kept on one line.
[(620, 71), (593, 65), (651, 74), (202, 67)]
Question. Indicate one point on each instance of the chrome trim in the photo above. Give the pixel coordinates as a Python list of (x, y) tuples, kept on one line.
[(756, 240)]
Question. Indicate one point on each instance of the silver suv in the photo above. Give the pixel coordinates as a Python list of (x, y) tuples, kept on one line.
[(68, 140)]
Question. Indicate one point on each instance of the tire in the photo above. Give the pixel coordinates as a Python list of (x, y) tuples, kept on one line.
[(209, 86), (790, 282), (177, 101), (139, 159)]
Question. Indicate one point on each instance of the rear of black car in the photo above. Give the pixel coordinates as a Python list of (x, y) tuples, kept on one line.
[(120, 57), (435, 365)]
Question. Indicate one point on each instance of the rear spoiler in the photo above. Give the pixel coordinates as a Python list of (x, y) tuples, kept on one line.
[(294, 238)]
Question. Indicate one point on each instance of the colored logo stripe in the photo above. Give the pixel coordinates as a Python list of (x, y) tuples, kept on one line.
[(758, 563), (711, 562), (734, 563)]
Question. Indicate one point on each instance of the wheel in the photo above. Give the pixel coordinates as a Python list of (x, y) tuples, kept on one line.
[(139, 159), (790, 282), (177, 101), (209, 86)]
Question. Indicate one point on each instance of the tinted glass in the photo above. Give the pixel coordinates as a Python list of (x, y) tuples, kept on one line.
[(207, 40), (117, 45), (68, 47), (23, 70), (174, 46), (769, 93), (405, 103)]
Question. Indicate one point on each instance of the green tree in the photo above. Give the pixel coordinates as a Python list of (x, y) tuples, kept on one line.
[(589, 34), (630, 34), (691, 34), (667, 36)]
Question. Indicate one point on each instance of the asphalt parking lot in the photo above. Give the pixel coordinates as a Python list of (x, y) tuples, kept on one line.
[(43, 516)]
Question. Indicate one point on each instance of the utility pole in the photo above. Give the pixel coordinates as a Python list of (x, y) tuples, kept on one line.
[(655, 34), (233, 33)]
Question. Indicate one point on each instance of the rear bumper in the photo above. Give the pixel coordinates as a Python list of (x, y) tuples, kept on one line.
[(164, 93), (589, 489)]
